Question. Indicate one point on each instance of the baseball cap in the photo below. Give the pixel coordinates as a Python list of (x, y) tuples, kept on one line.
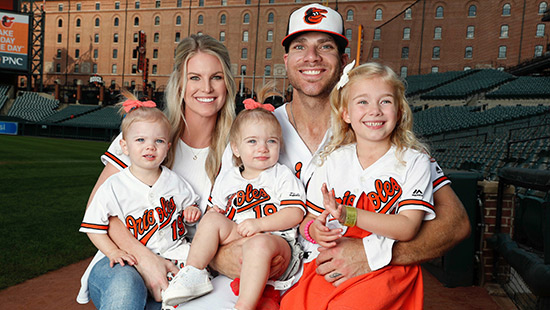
[(316, 17)]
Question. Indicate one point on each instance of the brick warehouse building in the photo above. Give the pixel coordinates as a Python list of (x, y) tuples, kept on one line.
[(87, 37)]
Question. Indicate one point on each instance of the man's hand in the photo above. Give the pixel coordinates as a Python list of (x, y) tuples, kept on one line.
[(153, 269), (342, 262)]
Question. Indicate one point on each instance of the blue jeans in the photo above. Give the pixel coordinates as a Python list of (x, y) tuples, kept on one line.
[(119, 288)]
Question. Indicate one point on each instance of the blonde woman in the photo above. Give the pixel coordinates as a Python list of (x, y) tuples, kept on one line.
[(200, 106)]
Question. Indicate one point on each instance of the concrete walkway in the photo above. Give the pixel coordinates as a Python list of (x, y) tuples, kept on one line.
[(58, 289)]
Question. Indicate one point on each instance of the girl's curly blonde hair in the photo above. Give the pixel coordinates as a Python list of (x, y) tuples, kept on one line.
[(402, 135)]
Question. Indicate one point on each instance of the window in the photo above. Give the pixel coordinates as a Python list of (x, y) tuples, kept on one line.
[(269, 36), (59, 37), (224, 2), (157, 4), (116, 22), (78, 6), (157, 20), (504, 31), (200, 20), (405, 53), (506, 9), (270, 18), (403, 72), (58, 53), (244, 53), (502, 51), (435, 69), (267, 70), (268, 53), (223, 19), (347, 50), (377, 33), (540, 30), (406, 33), (135, 53), (246, 18), (76, 68), (542, 7), (115, 38), (96, 53), (178, 37), (243, 70), (439, 12), (77, 38), (378, 14), (115, 53), (271, 1), (94, 68), (60, 23), (117, 5), (155, 53), (375, 52), (136, 37), (245, 36), (222, 36), (437, 33), (136, 21), (435, 52), (137, 4), (97, 6), (201, 2), (470, 32), (472, 11), (468, 52), (178, 20), (134, 69), (179, 3), (154, 69), (58, 68), (96, 38), (538, 50), (349, 15), (113, 68), (96, 22), (246, 1), (349, 34), (408, 14), (156, 37), (78, 22)]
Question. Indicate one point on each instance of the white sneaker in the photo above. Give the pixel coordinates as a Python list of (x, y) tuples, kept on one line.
[(189, 283)]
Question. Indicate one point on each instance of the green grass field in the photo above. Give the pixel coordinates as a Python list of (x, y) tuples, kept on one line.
[(44, 187)]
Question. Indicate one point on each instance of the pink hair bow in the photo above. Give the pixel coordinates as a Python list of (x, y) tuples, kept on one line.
[(129, 105), (250, 104)]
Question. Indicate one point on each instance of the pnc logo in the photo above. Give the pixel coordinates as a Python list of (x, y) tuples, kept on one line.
[(7, 21), (314, 16)]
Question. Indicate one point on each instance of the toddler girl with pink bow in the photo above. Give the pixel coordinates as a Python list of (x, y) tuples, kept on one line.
[(258, 204)]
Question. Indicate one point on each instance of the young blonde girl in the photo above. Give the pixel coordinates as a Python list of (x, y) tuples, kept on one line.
[(154, 202), (373, 178), (260, 204)]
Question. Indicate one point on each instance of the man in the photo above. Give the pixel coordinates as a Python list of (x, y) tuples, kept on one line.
[(314, 59)]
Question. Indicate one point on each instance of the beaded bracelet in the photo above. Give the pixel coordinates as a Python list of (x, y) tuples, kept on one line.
[(351, 216), (306, 232)]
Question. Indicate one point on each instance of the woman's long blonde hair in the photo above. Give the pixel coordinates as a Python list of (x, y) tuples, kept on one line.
[(175, 91), (402, 135)]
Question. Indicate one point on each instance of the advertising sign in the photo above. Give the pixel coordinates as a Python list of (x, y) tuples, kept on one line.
[(8, 128), (14, 41)]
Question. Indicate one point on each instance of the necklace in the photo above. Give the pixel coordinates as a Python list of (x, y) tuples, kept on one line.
[(293, 119), (195, 155)]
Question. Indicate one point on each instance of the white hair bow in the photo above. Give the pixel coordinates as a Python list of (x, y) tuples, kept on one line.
[(344, 79)]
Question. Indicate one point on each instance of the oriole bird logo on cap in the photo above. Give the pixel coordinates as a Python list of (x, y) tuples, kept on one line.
[(314, 15)]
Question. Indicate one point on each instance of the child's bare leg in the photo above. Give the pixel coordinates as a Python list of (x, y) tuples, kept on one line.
[(257, 254), (214, 230)]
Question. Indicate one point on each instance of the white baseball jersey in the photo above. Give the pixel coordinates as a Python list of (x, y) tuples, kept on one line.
[(387, 186), (274, 189), (153, 214)]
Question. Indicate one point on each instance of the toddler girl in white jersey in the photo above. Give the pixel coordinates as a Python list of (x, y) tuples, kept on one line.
[(373, 178), (260, 204), (154, 202)]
